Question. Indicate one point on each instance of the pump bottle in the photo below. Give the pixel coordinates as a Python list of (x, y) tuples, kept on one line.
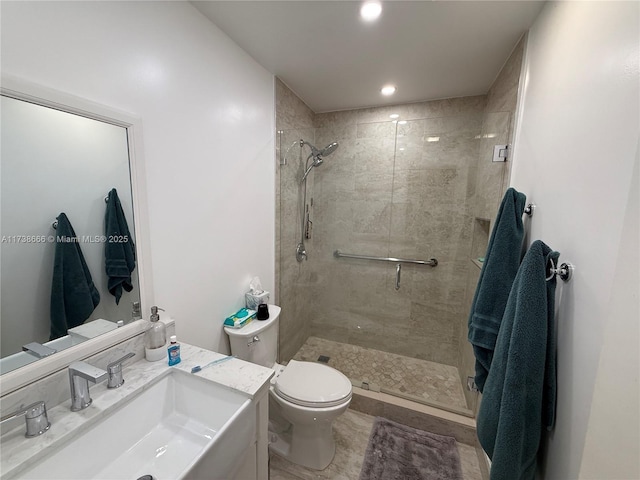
[(155, 339)]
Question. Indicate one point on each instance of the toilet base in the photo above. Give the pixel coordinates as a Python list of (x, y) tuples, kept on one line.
[(314, 451), (304, 434)]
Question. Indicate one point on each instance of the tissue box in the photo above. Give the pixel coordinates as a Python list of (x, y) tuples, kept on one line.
[(252, 300)]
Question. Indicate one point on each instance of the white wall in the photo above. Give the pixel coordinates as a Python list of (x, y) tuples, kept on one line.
[(207, 111), (574, 156), (615, 419)]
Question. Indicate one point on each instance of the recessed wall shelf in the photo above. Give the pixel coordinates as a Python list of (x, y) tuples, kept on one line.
[(477, 263), (479, 240)]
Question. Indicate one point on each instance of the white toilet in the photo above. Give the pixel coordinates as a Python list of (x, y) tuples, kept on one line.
[(304, 398)]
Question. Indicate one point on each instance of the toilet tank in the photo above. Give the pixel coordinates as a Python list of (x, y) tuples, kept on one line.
[(257, 342)]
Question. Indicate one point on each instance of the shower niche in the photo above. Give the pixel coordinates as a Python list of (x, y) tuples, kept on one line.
[(480, 240)]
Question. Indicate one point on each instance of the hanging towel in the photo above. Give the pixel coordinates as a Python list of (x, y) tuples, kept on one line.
[(520, 393), (498, 271), (120, 251), (73, 294)]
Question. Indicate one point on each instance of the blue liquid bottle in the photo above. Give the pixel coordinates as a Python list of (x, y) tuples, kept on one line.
[(174, 351)]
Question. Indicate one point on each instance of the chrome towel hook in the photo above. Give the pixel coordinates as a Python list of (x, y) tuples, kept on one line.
[(529, 209), (565, 271)]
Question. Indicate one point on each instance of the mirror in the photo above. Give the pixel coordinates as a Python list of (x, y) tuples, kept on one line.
[(57, 158)]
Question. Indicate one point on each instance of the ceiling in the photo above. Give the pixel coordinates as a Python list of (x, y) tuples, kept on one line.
[(333, 60)]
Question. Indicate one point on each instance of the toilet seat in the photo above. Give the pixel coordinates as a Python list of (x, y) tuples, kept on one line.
[(311, 384)]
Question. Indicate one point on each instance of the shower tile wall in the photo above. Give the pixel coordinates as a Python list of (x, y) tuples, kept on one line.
[(498, 127), (394, 190), (294, 120), (490, 182)]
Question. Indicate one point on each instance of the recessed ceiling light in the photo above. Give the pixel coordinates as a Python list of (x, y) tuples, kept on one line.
[(394, 115), (388, 90), (402, 122), (370, 11)]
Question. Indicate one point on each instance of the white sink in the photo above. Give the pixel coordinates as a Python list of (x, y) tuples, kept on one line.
[(181, 426)]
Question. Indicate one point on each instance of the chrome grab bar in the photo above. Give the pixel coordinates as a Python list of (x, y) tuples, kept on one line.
[(432, 262)]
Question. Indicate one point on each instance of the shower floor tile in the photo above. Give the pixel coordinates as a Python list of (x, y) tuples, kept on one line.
[(420, 379)]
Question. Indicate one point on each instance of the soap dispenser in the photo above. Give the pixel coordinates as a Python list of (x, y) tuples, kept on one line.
[(155, 338), (136, 314)]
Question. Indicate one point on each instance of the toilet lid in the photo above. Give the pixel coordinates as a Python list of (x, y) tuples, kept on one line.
[(313, 385)]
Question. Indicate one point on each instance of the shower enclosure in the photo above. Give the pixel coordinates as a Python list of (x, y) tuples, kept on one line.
[(411, 182)]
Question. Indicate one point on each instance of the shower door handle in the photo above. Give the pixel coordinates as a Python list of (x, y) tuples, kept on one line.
[(398, 269)]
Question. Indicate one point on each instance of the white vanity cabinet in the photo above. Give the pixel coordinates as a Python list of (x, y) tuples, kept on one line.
[(252, 462), (255, 462)]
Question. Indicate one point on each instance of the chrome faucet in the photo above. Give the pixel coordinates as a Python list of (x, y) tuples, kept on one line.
[(36, 417), (80, 374), (38, 350), (114, 369)]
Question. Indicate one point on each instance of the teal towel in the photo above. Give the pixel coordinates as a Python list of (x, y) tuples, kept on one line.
[(119, 251), (498, 271), (520, 393), (73, 294)]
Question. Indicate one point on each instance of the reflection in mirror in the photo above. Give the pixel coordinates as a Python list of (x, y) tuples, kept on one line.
[(54, 162)]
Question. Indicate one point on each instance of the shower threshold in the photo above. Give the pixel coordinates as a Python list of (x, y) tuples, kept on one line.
[(372, 387)]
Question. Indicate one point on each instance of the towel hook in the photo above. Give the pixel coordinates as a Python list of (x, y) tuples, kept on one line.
[(106, 199), (529, 209), (565, 272), (55, 225)]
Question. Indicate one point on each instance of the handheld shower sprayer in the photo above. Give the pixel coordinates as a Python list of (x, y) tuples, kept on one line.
[(317, 157)]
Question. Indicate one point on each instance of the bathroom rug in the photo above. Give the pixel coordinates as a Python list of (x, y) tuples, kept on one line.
[(398, 452)]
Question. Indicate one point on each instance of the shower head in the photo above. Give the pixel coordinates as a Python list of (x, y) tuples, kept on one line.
[(317, 156), (329, 149)]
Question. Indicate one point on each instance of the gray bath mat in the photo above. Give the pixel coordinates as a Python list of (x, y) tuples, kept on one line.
[(398, 452)]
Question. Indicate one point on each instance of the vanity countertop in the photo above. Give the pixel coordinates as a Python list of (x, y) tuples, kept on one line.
[(236, 374), (18, 452)]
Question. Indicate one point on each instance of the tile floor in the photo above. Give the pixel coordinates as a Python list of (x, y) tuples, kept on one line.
[(419, 379), (352, 430)]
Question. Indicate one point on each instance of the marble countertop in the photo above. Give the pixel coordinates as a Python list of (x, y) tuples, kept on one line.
[(18, 452)]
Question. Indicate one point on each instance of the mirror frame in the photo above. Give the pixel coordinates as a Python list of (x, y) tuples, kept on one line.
[(20, 89)]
